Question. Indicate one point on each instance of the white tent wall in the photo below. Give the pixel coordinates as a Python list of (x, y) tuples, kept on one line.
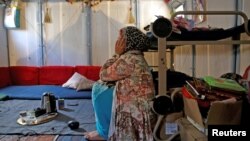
[(109, 17), (23, 42), (66, 37), (3, 42)]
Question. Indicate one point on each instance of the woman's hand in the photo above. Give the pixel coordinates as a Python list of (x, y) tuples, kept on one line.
[(120, 45)]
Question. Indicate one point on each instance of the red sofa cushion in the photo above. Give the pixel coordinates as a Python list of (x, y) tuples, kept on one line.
[(24, 75), (91, 72), (4, 77), (55, 75)]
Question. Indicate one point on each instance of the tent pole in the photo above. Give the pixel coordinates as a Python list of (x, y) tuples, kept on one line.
[(89, 35), (41, 31), (236, 47)]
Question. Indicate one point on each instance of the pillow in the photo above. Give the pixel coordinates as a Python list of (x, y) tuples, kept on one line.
[(78, 82)]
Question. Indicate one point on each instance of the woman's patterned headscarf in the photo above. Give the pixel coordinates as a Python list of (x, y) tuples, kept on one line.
[(135, 39)]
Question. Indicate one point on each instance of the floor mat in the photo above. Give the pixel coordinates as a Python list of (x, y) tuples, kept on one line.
[(79, 110)]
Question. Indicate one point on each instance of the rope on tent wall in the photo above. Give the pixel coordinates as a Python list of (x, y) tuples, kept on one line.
[(47, 20), (131, 19), (47, 17)]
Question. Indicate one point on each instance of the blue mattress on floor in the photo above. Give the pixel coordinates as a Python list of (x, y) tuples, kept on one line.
[(36, 92)]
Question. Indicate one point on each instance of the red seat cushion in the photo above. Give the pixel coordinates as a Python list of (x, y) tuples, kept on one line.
[(55, 75), (91, 72), (24, 75), (4, 77)]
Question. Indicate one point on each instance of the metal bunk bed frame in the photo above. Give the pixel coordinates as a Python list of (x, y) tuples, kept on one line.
[(162, 43)]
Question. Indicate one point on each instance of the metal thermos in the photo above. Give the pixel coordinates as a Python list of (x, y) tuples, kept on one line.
[(48, 102)]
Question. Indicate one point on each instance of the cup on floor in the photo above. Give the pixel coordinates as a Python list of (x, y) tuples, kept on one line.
[(61, 104)]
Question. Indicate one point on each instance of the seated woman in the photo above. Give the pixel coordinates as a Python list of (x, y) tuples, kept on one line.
[(129, 117)]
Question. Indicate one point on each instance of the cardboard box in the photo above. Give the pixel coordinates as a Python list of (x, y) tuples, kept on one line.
[(188, 132), (165, 130), (220, 113)]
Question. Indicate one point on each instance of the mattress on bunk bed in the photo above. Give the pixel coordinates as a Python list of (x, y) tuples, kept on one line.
[(175, 79), (36, 92), (208, 34)]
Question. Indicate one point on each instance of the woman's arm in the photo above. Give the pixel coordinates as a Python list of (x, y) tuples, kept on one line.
[(110, 61), (116, 70)]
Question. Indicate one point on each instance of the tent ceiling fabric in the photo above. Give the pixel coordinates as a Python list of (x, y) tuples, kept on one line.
[(90, 3)]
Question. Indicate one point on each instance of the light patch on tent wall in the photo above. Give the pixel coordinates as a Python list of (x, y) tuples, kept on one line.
[(12, 17)]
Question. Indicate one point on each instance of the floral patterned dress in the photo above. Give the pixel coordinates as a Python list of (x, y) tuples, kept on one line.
[(131, 112)]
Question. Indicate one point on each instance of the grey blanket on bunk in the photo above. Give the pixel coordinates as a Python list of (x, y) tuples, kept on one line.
[(80, 110)]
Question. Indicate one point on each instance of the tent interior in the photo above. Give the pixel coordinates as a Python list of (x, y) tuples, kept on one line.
[(63, 33)]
